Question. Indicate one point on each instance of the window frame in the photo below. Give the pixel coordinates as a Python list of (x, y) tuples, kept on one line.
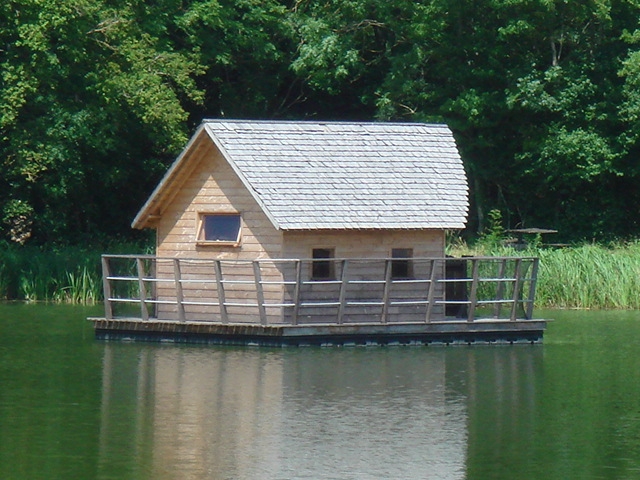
[(402, 263), (318, 264), (200, 229)]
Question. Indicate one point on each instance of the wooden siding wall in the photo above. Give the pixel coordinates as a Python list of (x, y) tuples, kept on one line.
[(368, 244), (212, 186), (364, 244)]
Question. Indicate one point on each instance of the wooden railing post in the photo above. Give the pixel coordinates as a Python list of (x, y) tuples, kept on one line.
[(106, 288), (386, 293), (142, 290), (432, 290), (259, 292), (177, 275), (296, 292), (516, 290), (500, 290), (220, 286), (343, 291), (473, 297), (532, 288)]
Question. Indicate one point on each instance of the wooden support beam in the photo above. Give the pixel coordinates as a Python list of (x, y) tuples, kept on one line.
[(224, 317), (532, 288), (343, 290), (177, 276), (432, 290), (296, 292), (516, 289), (473, 297), (386, 293), (500, 290), (106, 288), (259, 292), (142, 290)]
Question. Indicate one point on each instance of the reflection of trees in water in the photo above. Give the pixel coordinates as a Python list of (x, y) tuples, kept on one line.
[(503, 386)]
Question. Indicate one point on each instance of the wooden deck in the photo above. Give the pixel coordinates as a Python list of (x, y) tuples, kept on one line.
[(276, 302)]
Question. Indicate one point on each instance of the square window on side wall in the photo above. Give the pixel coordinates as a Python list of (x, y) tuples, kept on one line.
[(323, 264), (219, 228), (401, 264)]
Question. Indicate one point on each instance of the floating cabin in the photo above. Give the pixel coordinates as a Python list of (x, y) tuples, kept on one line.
[(312, 233)]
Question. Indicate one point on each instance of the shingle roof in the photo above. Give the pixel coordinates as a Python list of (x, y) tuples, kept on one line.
[(335, 175), (349, 175)]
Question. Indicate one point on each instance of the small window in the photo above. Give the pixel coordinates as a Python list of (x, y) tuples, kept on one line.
[(323, 265), (401, 264), (219, 228)]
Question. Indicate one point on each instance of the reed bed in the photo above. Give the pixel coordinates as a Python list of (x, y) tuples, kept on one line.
[(590, 276), (61, 275), (587, 276)]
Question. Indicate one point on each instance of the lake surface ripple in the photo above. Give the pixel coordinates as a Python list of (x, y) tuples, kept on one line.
[(72, 407)]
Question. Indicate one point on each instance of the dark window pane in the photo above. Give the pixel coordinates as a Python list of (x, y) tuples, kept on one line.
[(401, 265), (323, 269), (221, 228)]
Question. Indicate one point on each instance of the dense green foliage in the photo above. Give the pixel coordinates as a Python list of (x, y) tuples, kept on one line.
[(97, 98)]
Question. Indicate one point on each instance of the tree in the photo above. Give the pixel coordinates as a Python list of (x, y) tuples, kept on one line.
[(530, 88), (97, 98)]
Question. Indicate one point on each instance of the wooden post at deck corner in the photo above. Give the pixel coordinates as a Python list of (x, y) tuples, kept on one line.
[(106, 288), (532, 288)]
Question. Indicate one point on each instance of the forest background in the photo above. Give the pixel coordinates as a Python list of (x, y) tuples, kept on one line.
[(97, 97)]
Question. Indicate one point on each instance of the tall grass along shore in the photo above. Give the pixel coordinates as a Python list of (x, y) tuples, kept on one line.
[(584, 276), (61, 274), (587, 276)]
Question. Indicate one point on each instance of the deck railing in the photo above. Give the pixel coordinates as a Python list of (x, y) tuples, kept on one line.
[(282, 291)]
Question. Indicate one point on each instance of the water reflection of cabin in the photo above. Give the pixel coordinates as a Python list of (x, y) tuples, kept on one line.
[(308, 232)]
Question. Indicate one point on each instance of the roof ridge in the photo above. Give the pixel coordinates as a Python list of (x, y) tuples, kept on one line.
[(323, 122)]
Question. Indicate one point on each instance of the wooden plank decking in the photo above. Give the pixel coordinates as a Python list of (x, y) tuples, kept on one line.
[(275, 302)]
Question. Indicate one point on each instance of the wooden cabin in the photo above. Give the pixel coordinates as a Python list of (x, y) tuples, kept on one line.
[(282, 223), (247, 190)]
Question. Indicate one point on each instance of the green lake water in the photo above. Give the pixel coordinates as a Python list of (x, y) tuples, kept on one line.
[(72, 407)]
